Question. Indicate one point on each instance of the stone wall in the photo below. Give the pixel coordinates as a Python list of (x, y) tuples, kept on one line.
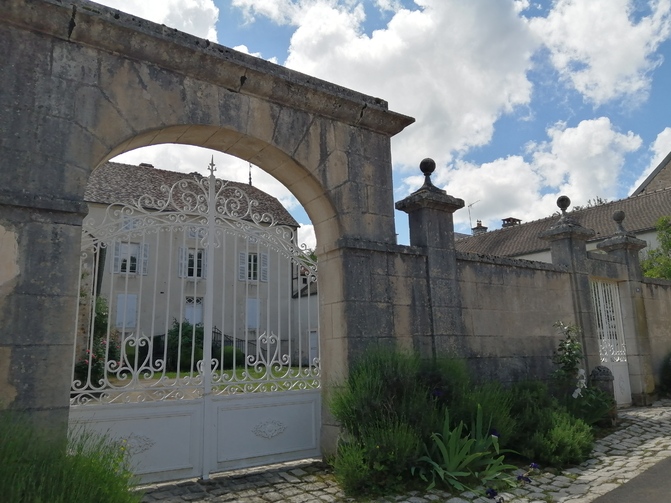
[(657, 299), (509, 308)]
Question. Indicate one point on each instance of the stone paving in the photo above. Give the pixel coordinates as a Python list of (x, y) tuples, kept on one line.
[(643, 440)]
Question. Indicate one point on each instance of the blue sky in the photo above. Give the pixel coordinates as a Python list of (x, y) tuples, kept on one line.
[(517, 101)]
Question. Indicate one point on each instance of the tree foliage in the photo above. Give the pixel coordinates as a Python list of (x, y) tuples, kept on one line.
[(657, 262)]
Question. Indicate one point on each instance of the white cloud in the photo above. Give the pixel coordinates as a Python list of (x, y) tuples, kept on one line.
[(601, 50), (455, 66), (278, 11), (388, 5), (197, 17), (582, 162), (659, 149), (306, 237)]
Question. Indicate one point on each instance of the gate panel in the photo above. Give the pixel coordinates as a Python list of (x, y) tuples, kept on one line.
[(198, 317), (264, 428), (163, 438), (612, 348)]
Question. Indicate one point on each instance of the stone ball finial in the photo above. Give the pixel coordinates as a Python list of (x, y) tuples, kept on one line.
[(427, 166), (618, 216), (563, 202)]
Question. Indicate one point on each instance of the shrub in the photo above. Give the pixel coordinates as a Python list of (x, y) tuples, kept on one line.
[(561, 439), (39, 467), (228, 357), (496, 404), (529, 400), (383, 385), (96, 356), (185, 347), (380, 459), (394, 403), (592, 405), (447, 378), (568, 357)]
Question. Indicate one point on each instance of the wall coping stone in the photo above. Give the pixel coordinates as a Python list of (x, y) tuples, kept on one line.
[(364, 244), (507, 261)]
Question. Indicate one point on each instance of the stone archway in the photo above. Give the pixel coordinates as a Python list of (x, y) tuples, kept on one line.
[(80, 83)]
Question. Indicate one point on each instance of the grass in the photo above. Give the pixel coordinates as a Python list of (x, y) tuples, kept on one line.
[(40, 467)]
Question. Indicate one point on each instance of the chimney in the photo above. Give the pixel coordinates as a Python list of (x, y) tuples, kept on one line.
[(479, 229), (510, 222), (146, 165)]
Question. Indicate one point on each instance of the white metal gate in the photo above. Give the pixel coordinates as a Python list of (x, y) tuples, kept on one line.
[(196, 336), (612, 348)]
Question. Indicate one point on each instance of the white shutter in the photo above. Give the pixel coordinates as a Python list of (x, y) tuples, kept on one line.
[(117, 257), (242, 266), (126, 310), (264, 267), (145, 260), (252, 314), (204, 270), (183, 261)]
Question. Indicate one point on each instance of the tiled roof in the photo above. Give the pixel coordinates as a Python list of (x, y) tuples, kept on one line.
[(123, 183), (660, 178), (641, 215)]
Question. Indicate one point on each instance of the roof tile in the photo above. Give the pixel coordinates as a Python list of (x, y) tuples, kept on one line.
[(114, 182)]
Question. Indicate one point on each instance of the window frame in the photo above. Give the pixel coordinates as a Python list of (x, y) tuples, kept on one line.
[(123, 259)]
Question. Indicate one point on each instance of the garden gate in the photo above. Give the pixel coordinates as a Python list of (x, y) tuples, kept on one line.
[(196, 333), (612, 348)]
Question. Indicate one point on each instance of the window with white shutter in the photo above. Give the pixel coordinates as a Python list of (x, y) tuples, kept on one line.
[(131, 258), (192, 263), (253, 266)]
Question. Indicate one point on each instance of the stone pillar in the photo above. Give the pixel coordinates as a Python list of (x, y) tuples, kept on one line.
[(568, 248), (38, 296), (626, 247), (431, 223)]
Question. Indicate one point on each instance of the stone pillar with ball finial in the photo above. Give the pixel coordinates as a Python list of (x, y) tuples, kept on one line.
[(625, 246), (568, 246), (430, 217)]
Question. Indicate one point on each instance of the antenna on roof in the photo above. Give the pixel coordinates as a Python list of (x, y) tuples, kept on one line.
[(250, 173), (470, 222)]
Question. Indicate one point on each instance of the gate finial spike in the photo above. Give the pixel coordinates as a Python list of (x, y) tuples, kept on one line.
[(211, 166)]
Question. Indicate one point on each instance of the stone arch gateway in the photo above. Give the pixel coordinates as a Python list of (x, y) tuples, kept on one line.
[(81, 83)]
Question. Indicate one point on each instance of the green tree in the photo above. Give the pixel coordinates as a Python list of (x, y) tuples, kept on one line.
[(657, 262)]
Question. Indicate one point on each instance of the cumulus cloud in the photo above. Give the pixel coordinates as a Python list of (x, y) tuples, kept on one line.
[(582, 162), (601, 50), (454, 66), (197, 17), (279, 11)]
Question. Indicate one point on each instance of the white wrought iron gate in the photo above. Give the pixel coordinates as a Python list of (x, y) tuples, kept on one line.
[(196, 335), (612, 348)]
